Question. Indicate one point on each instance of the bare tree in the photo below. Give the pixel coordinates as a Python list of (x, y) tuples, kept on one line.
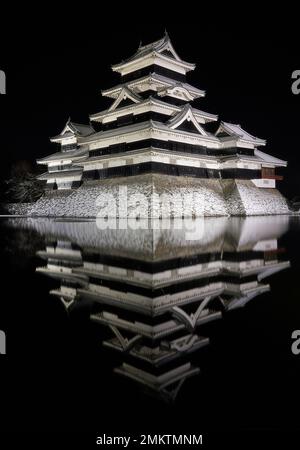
[(23, 186)]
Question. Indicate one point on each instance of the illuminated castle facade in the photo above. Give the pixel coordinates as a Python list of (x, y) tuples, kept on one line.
[(154, 138)]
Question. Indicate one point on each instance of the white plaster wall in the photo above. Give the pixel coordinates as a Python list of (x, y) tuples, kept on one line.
[(264, 183)]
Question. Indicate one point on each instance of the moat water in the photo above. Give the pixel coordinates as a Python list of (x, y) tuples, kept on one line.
[(184, 323)]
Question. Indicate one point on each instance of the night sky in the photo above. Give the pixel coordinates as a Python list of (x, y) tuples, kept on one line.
[(56, 63), (57, 69)]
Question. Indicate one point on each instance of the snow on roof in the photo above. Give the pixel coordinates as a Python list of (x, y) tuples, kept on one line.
[(82, 129), (78, 129), (125, 93), (236, 130), (60, 174), (258, 156), (159, 46), (70, 154), (269, 159), (155, 101), (147, 125), (186, 113), (168, 82)]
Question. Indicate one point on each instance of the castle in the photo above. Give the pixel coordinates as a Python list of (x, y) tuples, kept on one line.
[(153, 140)]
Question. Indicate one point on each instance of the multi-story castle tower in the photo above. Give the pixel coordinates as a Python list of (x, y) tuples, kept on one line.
[(154, 140)]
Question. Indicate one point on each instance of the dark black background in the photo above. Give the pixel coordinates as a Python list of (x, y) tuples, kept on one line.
[(57, 376), (56, 66)]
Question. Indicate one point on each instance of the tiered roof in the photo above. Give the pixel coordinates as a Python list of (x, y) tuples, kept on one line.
[(170, 109), (186, 114), (70, 154), (73, 129), (158, 83), (149, 125), (231, 130), (157, 71), (71, 132), (161, 51), (164, 87)]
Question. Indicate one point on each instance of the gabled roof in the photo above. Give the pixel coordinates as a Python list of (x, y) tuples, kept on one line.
[(157, 48), (151, 100), (186, 114), (236, 131), (148, 125), (61, 174), (160, 45), (75, 129), (70, 154), (269, 159), (161, 80), (258, 157), (125, 93), (178, 89)]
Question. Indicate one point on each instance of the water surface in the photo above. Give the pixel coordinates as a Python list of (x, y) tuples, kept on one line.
[(189, 325)]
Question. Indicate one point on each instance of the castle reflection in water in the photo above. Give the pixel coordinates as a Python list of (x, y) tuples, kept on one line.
[(155, 289)]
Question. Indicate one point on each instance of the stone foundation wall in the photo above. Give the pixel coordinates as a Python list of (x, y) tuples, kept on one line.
[(260, 201), (153, 195), (17, 209)]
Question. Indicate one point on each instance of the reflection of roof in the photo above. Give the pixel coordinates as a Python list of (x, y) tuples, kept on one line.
[(240, 301), (262, 270), (146, 304), (62, 273), (152, 280), (162, 278), (156, 331), (159, 383), (60, 174), (74, 257), (161, 354)]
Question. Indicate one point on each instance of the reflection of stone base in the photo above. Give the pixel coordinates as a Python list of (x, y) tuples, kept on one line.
[(153, 195)]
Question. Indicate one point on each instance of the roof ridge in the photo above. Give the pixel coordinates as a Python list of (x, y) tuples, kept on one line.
[(153, 43), (79, 123)]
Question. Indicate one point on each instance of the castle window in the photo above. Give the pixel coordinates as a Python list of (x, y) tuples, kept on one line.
[(124, 120)]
